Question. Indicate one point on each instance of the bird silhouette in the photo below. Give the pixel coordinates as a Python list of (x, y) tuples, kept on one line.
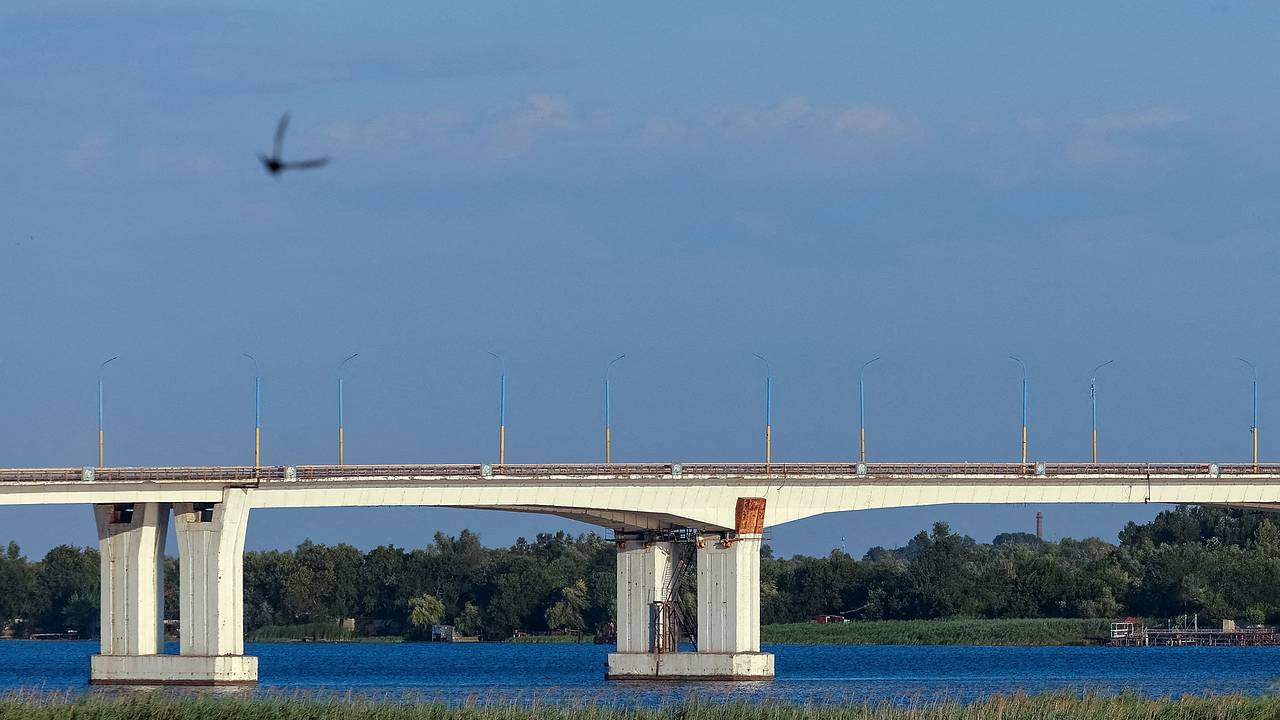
[(275, 165)]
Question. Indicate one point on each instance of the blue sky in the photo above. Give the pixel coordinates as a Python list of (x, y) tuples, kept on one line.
[(940, 184)]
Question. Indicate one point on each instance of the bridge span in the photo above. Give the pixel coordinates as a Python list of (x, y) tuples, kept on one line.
[(667, 518)]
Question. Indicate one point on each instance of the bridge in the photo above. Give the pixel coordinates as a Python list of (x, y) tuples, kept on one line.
[(667, 518)]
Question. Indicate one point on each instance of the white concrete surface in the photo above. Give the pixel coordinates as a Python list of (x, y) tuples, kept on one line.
[(644, 575), (631, 501), (211, 562), (729, 595), (132, 578), (690, 666), (173, 670)]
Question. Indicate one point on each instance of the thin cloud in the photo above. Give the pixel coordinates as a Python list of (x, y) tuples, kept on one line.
[(1137, 120)]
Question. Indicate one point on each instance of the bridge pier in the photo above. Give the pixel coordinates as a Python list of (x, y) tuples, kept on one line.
[(131, 538), (728, 601), (211, 594)]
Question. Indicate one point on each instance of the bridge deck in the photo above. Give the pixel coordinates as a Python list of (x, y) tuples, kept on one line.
[(635, 471)]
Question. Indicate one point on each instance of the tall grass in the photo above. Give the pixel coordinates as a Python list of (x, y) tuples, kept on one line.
[(552, 639), (1040, 631), (313, 631), (1012, 707)]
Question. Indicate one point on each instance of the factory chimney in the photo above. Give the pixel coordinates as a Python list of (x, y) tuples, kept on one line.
[(1039, 525)]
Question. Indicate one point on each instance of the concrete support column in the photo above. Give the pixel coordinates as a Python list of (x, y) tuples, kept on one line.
[(211, 561), (131, 541), (644, 576), (211, 592), (729, 595)]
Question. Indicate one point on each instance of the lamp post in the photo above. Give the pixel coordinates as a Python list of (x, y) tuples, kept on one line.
[(608, 432), (1024, 406), (257, 412), (862, 411), (101, 436), (1093, 404), (768, 409), (1253, 429), (502, 408), (342, 439)]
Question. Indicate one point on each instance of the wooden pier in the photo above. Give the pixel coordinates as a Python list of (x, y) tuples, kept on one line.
[(1131, 634)]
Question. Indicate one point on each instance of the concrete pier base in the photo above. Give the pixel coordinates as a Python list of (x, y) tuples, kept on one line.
[(173, 670), (211, 595), (691, 666)]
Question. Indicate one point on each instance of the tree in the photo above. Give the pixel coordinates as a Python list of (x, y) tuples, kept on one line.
[(566, 613), (425, 611), (471, 621)]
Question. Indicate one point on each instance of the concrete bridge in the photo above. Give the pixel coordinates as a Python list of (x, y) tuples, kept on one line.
[(666, 518)]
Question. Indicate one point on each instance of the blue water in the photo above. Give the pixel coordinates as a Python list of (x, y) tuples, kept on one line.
[(517, 672)]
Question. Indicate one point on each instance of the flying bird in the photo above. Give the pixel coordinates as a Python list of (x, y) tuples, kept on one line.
[(275, 165)]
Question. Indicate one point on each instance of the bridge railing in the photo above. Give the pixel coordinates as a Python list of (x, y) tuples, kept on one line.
[(869, 472)]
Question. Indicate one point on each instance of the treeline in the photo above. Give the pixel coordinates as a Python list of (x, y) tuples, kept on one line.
[(1217, 562)]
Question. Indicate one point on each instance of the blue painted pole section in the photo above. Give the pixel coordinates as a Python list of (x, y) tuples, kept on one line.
[(1093, 405), (1255, 404), (768, 401), (1024, 402), (862, 405)]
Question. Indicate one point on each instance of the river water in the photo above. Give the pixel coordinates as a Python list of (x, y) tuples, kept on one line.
[(805, 673)]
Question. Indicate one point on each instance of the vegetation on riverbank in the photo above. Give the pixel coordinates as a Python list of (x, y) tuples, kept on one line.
[(1222, 564), (965, 631), (145, 706), (315, 632), (552, 639)]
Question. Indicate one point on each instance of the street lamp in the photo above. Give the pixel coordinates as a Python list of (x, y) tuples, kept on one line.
[(1024, 406), (768, 409), (257, 412), (1093, 403), (1253, 430), (608, 433), (862, 411), (502, 408), (342, 456), (101, 437)]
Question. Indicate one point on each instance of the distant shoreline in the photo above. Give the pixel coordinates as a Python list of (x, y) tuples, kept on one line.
[(1042, 632)]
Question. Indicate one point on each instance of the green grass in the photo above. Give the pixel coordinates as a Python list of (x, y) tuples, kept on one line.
[(1044, 631), (145, 706)]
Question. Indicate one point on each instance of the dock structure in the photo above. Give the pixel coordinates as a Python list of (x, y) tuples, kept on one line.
[(1129, 634)]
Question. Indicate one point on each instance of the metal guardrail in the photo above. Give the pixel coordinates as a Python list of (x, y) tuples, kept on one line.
[(302, 473)]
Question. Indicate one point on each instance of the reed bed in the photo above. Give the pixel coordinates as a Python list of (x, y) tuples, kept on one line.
[(162, 706), (1037, 631)]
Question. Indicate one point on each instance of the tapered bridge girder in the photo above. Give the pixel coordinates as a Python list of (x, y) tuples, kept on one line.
[(652, 496)]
